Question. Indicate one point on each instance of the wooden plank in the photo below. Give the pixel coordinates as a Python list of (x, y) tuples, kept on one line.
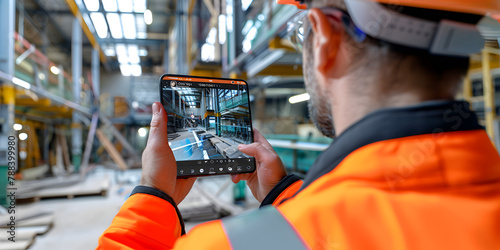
[(115, 155), (26, 186), (90, 186)]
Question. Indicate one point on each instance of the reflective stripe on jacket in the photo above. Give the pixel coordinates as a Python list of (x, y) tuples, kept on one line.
[(421, 177)]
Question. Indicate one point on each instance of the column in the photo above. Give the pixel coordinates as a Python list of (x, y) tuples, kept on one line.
[(76, 64), (7, 106), (96, 74)]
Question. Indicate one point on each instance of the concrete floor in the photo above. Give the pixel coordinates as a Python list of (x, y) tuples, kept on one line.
[(80, 221)]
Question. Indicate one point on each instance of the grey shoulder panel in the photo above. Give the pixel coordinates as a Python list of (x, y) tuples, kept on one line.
[(265, 228)]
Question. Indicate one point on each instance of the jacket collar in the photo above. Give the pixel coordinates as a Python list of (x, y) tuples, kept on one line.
[(391, 123)]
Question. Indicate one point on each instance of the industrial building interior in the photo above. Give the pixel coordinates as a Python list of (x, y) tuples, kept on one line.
[(81, 76)]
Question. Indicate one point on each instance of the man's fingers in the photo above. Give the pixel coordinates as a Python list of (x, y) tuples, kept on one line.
[(235, 178), (240, 177)]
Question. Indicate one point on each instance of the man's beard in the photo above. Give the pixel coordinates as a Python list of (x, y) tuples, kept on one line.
[(320, 108)]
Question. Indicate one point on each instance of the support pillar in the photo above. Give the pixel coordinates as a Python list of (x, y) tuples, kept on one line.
[(173, 99), (7, 21), (60, 81), (96, 74), (181, 27), (166, 57), (7, 95), (76, 64)]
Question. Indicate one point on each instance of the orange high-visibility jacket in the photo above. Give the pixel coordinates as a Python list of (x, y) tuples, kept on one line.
[(419, 177)]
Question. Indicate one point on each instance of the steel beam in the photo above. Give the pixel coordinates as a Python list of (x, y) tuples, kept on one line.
[(76, 64), (144, 42)]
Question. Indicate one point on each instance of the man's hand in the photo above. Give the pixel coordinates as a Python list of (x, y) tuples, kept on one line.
[(269, 170), (159, 169)]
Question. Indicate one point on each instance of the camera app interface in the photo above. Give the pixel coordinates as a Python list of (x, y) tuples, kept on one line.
[(207, 120)]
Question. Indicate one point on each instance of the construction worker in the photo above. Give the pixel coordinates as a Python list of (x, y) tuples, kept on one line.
[(410, 168)]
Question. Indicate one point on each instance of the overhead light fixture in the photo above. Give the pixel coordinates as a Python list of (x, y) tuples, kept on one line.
[(121, 53), (23, 136), (55, 70), (299, 98), (252, 33), (247, 27), (142, 132), (41, 76), (125, 5), (135, 104), (247, 46), (222, 29), (245, 4), (100, 25), (269, 79), (110, 5), (115, 25), (109, 51), (208, 52), (91, 5), (125, 69), (139, 6), (133, 54), (229, 23), (128, 24), (141, 26), (148, 17), (143, 52), (211, 36), (17, 127), (136, 70), (21, 83)]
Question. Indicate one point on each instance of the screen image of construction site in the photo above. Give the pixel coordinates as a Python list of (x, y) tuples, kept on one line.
[(207, 123)]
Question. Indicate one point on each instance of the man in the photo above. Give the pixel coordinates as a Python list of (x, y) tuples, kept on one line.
[(409, 168)]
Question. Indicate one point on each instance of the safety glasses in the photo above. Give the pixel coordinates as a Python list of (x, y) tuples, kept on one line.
[(299, 29)]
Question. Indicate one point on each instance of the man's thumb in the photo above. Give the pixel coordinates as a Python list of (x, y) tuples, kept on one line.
[(158, 129)]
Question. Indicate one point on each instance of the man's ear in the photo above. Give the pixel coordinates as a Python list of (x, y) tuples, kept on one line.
[(330, 60)]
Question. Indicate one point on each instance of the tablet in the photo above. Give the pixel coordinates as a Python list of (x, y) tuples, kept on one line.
[(207, 119)]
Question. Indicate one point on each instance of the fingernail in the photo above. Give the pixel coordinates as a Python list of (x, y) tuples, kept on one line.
[(156, 108), (242, 146)]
